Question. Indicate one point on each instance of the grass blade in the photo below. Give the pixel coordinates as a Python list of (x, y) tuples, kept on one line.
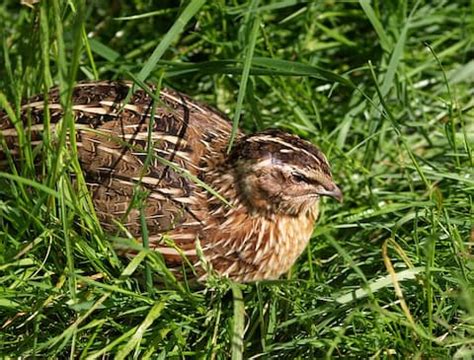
[(177, 28), (237, 338), (153, 314), (253, 26)]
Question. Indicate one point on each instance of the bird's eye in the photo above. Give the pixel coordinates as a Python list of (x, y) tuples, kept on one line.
[(299, 177)]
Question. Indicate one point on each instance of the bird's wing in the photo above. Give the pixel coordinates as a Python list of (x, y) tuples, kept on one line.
[(120, 167)]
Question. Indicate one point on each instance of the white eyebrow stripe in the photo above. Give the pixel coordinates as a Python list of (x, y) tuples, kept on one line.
[(288, 145)]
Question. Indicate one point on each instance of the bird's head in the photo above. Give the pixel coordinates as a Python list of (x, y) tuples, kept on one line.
[(280, 173)]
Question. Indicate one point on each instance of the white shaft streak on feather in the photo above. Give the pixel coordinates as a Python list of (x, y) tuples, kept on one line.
[(125, 182), (13, 132), (136, 136), (147, 180), (116, 152), (36, 104), (120, 106), (40, 127), (172, 251), (94, 110), (158, 194), (157, 136), (87, 108), (172, 191), (230, 269), (261, 233), (191, 223), (102, 83), (181, 154), (185, 200), (183, 103), (182, 236)]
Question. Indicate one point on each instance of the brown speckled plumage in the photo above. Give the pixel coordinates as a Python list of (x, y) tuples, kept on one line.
[(272, 180)]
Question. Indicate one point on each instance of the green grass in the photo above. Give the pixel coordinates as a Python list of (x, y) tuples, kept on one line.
[(384, 88)]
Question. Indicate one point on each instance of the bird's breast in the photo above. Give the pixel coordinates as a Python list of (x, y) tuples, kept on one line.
[(249, 247), (291, 236)]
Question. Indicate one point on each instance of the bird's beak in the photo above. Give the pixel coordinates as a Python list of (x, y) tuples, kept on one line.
[(335, 193)]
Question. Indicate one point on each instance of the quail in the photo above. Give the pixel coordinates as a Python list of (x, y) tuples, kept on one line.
[(246, 214)]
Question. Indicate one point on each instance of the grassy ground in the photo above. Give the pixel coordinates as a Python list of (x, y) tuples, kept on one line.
[(384, 88)]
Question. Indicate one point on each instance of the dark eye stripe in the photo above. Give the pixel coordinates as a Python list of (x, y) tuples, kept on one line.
[(300, 177)]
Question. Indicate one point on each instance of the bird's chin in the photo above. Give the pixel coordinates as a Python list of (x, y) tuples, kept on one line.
[(301, 203), (309, 198)]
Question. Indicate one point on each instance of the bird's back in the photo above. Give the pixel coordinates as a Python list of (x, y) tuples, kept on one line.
[(119, 161)]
